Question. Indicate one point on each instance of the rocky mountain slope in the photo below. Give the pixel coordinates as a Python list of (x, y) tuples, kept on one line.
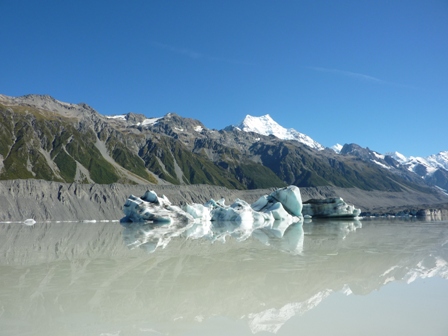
[(43, 138), (433, 169)]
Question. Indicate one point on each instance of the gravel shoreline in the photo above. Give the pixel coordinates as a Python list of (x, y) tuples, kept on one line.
[(54, 201)]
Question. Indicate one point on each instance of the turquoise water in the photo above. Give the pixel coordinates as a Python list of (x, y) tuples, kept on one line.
[(368, 277)]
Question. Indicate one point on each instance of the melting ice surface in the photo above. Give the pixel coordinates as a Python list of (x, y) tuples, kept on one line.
[(315, 277), (283, 204)]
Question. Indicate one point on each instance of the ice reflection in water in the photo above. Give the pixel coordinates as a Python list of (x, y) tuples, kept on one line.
[(81, 279), (281, 234)]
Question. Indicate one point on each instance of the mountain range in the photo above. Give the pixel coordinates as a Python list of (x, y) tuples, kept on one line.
[(43, 138)]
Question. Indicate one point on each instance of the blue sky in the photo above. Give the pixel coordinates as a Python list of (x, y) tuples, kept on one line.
[(373, 73)]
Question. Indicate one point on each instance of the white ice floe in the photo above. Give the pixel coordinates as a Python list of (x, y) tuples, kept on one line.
[(275, 219), (29, 222), (152, 208), (271, 216), (282, 204), (329, 208)]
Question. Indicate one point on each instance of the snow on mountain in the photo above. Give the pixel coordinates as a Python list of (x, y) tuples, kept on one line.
[(431, 162), (422, 166), (143, 122), (415, 163), (337, 148), (438, 160), (149, 121), (398, 156), (265, 125), (120, 117), (381, 164)]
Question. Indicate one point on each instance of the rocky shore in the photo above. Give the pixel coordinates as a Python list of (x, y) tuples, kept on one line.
[(43, 200)]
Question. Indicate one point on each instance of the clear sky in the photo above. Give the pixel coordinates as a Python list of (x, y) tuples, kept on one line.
[(373, 73)]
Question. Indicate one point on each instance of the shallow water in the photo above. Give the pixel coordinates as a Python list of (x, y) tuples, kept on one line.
[(366, 277)]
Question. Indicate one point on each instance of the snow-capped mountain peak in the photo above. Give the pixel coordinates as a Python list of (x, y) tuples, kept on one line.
[(398, 156), (265, 125), (431, 162), (438, 160)]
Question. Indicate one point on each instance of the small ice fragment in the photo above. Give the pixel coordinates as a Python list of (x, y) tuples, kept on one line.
[(29, 222)]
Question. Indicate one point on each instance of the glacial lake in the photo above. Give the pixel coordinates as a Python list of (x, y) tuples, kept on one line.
[(339, 277)]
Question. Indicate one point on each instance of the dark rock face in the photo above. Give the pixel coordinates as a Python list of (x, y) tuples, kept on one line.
[(391, 161), (438, 178), (414, 176), (420, 170), (356, 150), (134, 118)]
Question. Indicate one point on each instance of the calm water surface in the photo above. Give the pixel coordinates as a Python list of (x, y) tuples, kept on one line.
[(369, 277)]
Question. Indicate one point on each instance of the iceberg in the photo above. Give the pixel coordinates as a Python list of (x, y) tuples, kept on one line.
[(155, 209), (275, 219), (329, 208), (282, 204)]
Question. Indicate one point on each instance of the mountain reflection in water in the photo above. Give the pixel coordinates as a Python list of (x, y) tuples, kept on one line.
[(99, 279)]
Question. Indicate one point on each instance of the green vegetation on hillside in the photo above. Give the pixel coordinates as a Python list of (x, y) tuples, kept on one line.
[(258, 176), (121, 151), (90, 157), (163, 154), (46, 145), (31, 131), (24, 160), (66, 165)]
